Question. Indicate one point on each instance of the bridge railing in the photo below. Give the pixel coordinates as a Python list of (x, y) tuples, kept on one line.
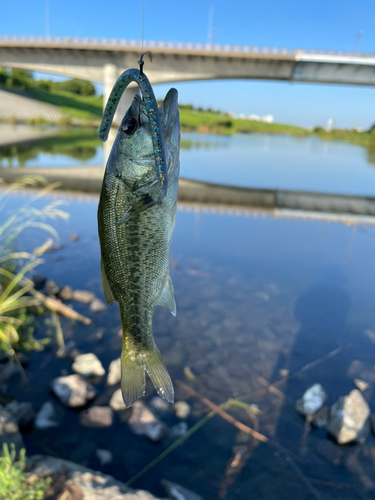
[(177, 45)]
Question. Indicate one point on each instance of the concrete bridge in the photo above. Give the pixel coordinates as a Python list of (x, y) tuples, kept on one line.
[(103, 60)]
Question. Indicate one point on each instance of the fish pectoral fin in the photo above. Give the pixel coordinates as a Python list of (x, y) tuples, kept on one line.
[(167, 299), (106, 287), (139, 206)]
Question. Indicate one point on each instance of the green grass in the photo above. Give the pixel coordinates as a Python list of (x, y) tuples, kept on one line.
[(14, 483), (89, 108)]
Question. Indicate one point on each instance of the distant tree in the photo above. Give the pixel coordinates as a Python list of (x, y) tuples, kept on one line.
[(75, 86), (318, 130), (20, 79), (200, 110), (3, 77)]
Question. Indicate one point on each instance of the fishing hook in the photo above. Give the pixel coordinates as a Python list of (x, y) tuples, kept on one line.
[(141, 61)]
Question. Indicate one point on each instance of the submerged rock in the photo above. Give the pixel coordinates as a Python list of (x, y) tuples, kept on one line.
[(9, 433), (182, 410), (160, 405), (73, 390), (349, 418), (46, 416), (73, 237), (320, 418), (81, 483), (97, 416), (97, 306), (312, 400), (144, 422), (104, 456), (22, 412), (114, 372), (39, 281), (66, 293), (52, 288), (117, 402), (177, 492), (361, 384), (83, 296), (178, 430), (88, 365)]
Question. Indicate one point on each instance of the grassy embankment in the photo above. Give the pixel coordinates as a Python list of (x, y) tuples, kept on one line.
[(88, 109)]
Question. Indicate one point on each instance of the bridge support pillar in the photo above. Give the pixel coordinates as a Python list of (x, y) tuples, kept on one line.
[(110, 75)]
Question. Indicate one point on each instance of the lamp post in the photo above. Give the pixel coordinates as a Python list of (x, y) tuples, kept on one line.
[(357, 37)]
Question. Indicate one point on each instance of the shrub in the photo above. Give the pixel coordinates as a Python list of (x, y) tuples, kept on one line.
[(14, 484)]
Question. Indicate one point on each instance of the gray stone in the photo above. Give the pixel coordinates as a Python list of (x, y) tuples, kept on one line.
[(73, 390), (361, 384), (117, 401), (97, 416), (182, 410), (66, 293), (52, 288), (348, 418), (97, 306), (88, 365), (22, 412), (114, 372), (160, 405), (104, 456), (9, 433), (144, 422), (177, 492), (320, 418), (46, 416), (92, 485), (312, 400), (178, 430), (83, 296)]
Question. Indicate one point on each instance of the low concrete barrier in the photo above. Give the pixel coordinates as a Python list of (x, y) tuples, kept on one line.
[(89, 180)]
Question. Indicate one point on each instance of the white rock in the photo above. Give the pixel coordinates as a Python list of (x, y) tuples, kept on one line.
[(83, 296), (88, 365), (117, 402), (349, 418), (182, 410), (73, 390), (144, 422), (313, 399), (177, 492), (114, 372), (104, 456), (46, 416), (97, 306), (361, 384)]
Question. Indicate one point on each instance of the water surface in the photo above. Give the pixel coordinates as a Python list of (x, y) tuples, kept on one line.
[(255, 294)]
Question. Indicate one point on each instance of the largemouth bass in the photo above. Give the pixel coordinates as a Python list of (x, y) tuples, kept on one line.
[(136, 218)]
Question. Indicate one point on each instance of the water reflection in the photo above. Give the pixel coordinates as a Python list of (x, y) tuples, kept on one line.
[(250, 160)]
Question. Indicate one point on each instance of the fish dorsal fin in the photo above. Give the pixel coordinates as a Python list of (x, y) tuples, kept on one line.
[(107, 289), (167, 297)]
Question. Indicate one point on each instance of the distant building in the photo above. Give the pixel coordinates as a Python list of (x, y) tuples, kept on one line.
[(241, 116), (231, 114), (329, 126), (358, 129), (267, 119), (254, 117)]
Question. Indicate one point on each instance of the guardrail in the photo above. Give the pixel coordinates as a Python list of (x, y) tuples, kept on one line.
[(115, 42)]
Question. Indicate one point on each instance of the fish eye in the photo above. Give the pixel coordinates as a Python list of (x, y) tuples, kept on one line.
[(129, 126)]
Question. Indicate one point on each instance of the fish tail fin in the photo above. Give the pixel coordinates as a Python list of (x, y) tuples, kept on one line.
[(134, 364), (133, 377), (159, 375)]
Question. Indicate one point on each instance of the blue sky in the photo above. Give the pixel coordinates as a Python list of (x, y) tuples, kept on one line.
[(329, 24)]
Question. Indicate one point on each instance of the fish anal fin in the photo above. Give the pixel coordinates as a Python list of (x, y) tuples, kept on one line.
[(133, 377), (107, 289), (159, 375), (167, 297)]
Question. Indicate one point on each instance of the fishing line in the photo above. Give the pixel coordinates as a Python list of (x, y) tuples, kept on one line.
[(143, 24)]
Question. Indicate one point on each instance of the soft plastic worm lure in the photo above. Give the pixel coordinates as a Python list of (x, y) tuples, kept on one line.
[(135, 75)]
